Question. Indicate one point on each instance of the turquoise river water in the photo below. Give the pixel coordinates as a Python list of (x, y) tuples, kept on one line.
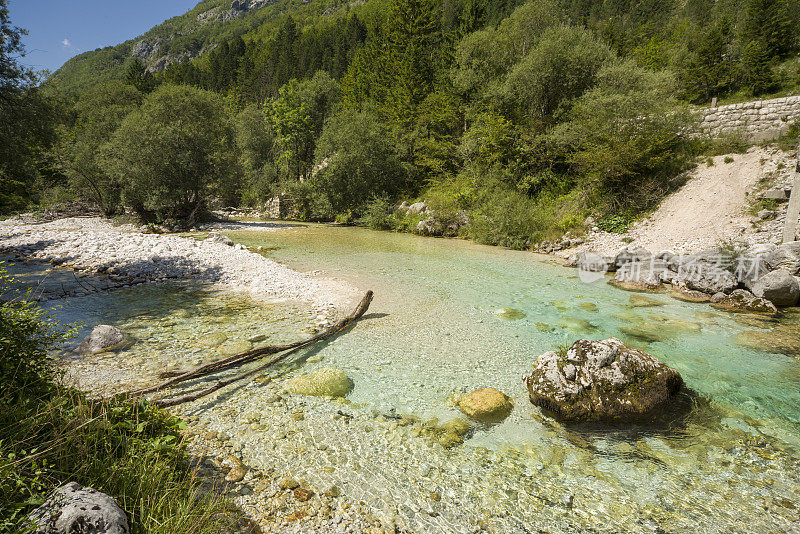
[(451, 316)]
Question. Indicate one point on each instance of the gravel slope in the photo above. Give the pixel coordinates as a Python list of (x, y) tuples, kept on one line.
[(710, 208)]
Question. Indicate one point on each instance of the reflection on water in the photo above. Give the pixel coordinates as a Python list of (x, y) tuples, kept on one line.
[(450, 316)]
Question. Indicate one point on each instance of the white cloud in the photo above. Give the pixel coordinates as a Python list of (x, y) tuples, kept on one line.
[(66, 43)]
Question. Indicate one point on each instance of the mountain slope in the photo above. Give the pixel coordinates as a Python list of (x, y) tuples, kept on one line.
[(184, 37)]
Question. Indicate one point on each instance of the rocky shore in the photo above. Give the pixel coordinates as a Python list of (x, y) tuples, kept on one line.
[(125, 256)]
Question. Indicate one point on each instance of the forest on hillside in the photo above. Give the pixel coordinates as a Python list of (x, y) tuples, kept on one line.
[(521, 117)]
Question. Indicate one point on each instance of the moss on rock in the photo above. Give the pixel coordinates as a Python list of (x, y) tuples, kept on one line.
[(324, 382)]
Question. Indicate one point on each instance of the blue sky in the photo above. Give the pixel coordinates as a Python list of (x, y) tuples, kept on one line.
[(61, 29)]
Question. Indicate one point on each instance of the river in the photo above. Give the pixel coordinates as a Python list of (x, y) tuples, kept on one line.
[(451, 316)]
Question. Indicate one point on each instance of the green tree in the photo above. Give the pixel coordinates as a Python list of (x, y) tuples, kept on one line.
[(98, 113), (481, 61), (769, 21), (138, 76), (290, 117), (13, 75), (396, 69), (706, 72), (174, 154), (558, 69), (297, 116), (358, 163), (755, 68), (255, 141), (27, 121)]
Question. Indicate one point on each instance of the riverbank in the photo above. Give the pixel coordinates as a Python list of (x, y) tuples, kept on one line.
[(125, 256)]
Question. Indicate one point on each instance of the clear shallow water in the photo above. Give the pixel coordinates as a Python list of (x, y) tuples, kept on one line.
[(442, 331), (733, 465)]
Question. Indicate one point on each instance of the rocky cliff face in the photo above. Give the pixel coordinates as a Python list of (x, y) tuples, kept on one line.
[(150, 49), (238, 8)]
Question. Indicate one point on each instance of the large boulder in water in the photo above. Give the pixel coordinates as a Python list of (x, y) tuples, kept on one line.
[(741, 300), (73, 509), (102, 338), (601, 381), (705, 277), (636, 277), (486, 405), (324, 382), (778, 287)]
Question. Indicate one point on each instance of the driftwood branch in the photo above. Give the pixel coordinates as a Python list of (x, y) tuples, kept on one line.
[(164, 403), (247, 357)]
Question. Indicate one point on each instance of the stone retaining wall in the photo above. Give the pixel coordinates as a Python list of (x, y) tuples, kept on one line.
[(759, 120)]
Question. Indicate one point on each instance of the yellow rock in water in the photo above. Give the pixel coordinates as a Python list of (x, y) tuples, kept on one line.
[(324, 382), (457, 426), (486, 405)]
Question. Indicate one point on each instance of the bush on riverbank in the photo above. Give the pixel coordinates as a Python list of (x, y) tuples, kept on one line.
[(51, 434)]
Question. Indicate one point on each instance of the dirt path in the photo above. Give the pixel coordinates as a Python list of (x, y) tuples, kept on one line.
[(711, 207)]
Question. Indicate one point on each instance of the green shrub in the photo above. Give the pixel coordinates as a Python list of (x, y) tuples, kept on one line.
[(617, 224), (505, 218), (627, 138), (728, 159), (730, 143), (51, 434), (789, 141), (379, 214), (25, 335)]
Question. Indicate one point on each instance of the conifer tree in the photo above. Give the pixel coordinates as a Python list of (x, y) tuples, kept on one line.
[(138, 76)]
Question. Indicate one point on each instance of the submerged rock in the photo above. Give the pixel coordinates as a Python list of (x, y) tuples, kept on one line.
[(690, 295), (212, 340), (588, 306), (601, 381), (456, 426), (237, 469), (103, 338), (452, 432), (660, 328), (783, 339), (73, 509), (229, 348), (741, 300), (324, 382), (779, 287), (641, 301), (509, 314), (486, 405), (579, 326)]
